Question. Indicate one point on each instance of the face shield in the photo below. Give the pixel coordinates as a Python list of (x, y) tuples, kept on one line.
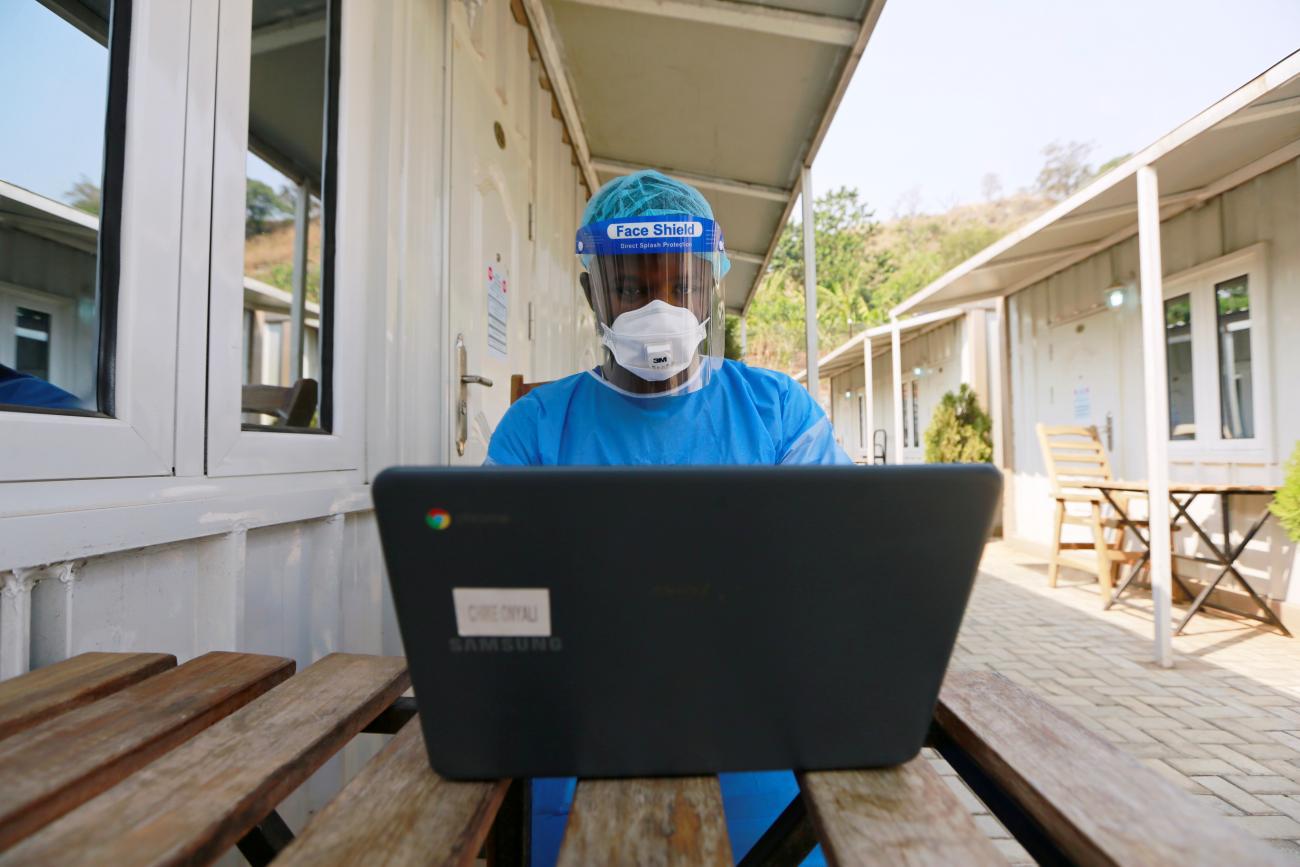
[(653, 282)]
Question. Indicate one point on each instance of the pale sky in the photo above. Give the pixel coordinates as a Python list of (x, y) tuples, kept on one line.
[(950, 90)]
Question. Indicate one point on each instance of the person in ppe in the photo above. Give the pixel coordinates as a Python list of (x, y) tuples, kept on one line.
[(653, 260)]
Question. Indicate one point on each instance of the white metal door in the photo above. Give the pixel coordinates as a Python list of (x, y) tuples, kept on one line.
[(1085, 379), (488, 254)]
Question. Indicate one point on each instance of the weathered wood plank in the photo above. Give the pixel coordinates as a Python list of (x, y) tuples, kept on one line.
[(646, 822), (1094, 803), (194, 803), (47, 692), (398, 811), (905, 815), (51, 768)]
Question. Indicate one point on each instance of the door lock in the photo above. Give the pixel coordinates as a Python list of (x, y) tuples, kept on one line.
[(462, 401)]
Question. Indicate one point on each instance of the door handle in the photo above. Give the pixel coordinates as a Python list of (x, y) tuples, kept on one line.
[(1110, 432), (462, 400)]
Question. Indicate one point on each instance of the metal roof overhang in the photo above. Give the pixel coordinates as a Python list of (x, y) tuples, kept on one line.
[(849, 353), (734, 97), (1252, 130), (43, 217)]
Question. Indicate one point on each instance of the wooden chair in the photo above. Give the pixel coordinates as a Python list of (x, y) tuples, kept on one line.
[(518, 388), (1074, 456), (291, 406)]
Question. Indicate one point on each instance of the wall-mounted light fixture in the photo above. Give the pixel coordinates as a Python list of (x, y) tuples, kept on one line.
[(1115, 296)]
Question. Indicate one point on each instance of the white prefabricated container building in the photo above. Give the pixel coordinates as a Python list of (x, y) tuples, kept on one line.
[(1225, 230), (938, 353), (447, 148)]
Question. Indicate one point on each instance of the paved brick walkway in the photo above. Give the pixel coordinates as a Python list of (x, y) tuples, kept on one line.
[(1223, 724)]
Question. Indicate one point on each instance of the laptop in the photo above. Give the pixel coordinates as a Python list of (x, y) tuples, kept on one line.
[(615, 622)]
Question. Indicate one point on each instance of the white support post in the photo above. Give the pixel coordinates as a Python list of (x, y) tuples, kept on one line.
[(868, 391), (810, 281), (896, 360), (1156, 398), (299, 302), (999, 385)]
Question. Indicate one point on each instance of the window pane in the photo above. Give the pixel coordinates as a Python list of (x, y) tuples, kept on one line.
[(1178, 359), (53, 102), (906, 435), (1236, 386), (862, 422), (283, 237), (33, 339), (916, 415)]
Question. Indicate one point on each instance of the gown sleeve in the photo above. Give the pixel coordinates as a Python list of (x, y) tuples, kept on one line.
[(808, 435), (514, 442)]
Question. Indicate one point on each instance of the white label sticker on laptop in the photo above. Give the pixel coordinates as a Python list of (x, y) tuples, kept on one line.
[(502, 610)]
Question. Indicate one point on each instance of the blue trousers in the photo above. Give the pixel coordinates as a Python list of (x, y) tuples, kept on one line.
[(751, 802)]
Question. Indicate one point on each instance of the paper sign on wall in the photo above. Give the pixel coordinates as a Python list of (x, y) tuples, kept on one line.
[(500, 611), (1082, 403), (498, 310)]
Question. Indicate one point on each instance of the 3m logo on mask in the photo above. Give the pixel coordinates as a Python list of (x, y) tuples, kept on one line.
[(659, 355)]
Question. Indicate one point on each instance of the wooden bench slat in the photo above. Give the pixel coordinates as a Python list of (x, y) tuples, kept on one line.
[(900, 815), (398, 811), (196, 802), (51, 768), (47, 692), (1095, 803), (676, 820)]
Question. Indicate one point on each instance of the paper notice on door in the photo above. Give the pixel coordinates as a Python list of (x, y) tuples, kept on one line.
[(498, 310), (501, 611), (1082, 403)]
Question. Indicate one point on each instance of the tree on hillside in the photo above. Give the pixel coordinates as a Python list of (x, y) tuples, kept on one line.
[(1065, 170), (84, 196), (850, 270), (263, 206)]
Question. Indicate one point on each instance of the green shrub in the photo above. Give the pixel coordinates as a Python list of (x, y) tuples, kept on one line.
[(1286, 505), (960, 432)]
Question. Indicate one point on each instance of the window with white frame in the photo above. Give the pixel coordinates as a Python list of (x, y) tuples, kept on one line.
[(91, 161), (1215, 356), (58, 194), (289, 76), (274, 177)]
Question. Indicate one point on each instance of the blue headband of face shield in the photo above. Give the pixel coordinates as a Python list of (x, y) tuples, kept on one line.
[(663, 233)]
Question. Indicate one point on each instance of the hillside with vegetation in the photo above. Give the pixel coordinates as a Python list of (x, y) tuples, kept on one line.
[(866, 266)]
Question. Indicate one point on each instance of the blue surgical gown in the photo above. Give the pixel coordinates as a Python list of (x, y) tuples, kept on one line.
[(743, 415)]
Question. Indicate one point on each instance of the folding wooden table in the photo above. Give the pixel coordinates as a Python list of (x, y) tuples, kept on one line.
[(1181, 496), (129, 759)]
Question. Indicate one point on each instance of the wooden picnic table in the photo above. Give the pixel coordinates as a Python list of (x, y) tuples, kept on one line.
[(1225, 556), (131, 759)]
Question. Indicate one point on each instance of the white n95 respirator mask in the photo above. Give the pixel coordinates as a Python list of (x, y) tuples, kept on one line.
[(655, 342)]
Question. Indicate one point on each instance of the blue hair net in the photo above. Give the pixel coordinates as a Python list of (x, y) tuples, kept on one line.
[(649, 194)]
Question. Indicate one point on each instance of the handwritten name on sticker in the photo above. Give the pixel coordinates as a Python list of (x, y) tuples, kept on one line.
[(502, 611)]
